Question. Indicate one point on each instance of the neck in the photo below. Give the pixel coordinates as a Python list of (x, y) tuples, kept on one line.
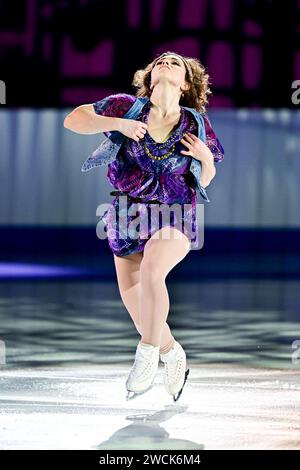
[(165, 101)]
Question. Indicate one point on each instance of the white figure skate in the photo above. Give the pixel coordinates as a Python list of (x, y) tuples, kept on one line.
[(143, 371), (175, 372)]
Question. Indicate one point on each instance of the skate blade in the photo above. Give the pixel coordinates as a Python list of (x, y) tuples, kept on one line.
[(176, 397), (136, 394)]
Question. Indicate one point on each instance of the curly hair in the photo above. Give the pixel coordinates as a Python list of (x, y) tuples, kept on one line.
[(195, 97)]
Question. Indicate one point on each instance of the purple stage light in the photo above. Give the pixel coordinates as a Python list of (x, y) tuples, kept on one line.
[(15, 270)]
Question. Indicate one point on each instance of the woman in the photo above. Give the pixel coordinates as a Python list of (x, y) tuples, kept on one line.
[(154, 162)]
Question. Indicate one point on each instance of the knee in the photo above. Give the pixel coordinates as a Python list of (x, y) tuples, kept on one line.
[(150, 270)]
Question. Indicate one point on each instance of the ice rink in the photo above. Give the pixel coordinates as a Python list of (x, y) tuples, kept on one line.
[(70, 346)]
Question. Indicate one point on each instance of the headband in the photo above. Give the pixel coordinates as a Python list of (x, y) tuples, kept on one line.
[(182, 58)]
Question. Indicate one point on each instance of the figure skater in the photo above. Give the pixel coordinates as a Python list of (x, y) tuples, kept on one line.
[(160, 148)]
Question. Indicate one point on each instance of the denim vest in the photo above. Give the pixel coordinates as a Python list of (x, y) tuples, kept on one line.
[(109, 147)]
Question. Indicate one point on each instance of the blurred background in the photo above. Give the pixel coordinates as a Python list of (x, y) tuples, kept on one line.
[(55, 56), (66, 340)]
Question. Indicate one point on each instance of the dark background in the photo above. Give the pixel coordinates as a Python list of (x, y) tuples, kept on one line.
[(70, 52), (62, 54)]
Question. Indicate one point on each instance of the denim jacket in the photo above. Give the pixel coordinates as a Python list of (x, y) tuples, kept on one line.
[(109, 147)]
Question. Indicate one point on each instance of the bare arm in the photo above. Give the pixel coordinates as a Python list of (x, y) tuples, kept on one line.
[(84, 120)]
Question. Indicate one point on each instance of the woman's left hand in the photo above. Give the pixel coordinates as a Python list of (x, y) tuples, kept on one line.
[(196, 148)]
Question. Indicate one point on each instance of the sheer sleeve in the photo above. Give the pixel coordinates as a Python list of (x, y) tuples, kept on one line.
[(212, 141)]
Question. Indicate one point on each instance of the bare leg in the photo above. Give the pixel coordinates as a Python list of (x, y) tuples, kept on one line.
[(160, 256), (128, 276)]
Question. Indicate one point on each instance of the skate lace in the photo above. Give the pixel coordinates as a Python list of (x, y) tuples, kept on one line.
[(142, 365), (174, 368)]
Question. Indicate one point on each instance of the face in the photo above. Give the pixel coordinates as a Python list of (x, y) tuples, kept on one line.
[(169, 69)]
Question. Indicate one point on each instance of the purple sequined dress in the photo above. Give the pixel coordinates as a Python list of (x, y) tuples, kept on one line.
[(167, 181)]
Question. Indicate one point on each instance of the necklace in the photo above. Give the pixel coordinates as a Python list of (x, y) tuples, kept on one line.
[(155, 157), (161, 145), (170, 140)]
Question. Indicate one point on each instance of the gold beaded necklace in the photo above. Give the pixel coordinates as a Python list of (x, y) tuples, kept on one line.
[(155, 157), (161, 144)]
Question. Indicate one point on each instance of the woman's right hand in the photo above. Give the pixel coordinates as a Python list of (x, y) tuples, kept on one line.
[(133, 129)]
